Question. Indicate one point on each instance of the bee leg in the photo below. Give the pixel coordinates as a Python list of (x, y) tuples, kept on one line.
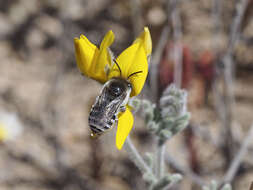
[(122, 108)]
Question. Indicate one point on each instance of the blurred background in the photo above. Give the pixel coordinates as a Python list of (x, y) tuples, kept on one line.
[(204, 46)]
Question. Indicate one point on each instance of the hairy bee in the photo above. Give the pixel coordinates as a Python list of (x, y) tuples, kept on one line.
[(112, 100)]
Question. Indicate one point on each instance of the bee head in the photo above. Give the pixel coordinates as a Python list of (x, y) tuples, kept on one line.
[(118, 86)]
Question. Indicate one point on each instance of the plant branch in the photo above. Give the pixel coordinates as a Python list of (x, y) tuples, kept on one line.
[(235, 28), (136, 157), (228, 62), (177, 36), (216, 19), (160, 161), (155, 62), (136, 16), (231, 172), (190, 174)]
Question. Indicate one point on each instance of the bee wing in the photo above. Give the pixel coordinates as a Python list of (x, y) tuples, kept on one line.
[(102, 99), (107, 106), (113, 107)]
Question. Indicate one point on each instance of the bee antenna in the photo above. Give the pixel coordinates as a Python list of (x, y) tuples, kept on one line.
[(134, 74), (117, 65)]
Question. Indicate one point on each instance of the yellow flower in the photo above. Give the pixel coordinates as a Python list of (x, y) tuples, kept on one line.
[(98, 64), (10, 126), (3, 132)]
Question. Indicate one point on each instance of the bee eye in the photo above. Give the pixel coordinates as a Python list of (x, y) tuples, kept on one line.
[(116, 89)]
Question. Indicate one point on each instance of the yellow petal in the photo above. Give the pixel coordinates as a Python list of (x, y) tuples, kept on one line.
[(92, 61), (146, 38), (103, 58), (84, 52), (106, 43), (125, 124), (3, 132), (132, 60), (140, 63)]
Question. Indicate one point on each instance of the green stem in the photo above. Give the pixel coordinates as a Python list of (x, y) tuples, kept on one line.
[(160, 161), (136, 157)]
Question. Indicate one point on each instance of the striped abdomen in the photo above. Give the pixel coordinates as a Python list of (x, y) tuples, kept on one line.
[(100, 120), (112, 99)]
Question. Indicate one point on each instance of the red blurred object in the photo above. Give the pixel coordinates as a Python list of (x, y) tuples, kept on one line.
[(166, 68), (197, 78), (205, 66)]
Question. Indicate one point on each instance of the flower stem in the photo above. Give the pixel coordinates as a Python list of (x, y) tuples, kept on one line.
[(160, 161), (136, 157)]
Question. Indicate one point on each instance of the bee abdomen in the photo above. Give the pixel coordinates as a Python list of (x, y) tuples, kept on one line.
[(99, 123), (95, 129)]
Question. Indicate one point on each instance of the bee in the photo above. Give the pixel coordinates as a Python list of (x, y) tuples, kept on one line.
[(113, 98)]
